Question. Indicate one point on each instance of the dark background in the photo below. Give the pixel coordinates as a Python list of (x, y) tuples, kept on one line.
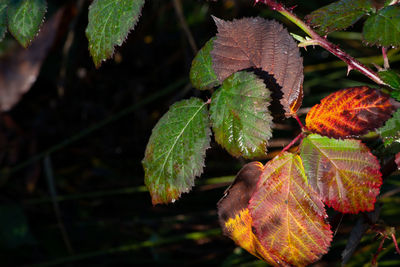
[(71, 184)]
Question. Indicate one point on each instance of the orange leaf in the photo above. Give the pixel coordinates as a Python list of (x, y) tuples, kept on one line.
[(264, 44), (234, 215), (288, 215), (350, 112)]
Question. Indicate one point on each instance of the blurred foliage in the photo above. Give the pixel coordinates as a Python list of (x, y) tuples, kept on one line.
[(94, 125)]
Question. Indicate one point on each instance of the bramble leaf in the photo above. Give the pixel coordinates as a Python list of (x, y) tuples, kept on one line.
[(350, 112), (338, 15), (344, 172), (392, 78), (240, 117), (175, 153), (20, 69), (24, 19), (383, 27), (109, 24), (234, 216), (259, 43), (3, 18), (202, 75), (390, 132), (288, 215)]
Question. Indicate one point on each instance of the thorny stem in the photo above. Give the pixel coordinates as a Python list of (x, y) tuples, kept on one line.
[(323, 42), (385, 58), (301, 135)]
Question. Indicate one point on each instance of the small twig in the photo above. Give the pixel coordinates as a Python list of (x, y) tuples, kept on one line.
[(300, 123), (380, 248), (53, 194), (286, 148), (395, 244), (185, 27), (385, 58), (352, 63)]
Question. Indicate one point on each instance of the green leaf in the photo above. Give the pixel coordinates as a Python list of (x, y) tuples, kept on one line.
[(109, 24), (3, 18), (240, 117), (391, 78), (383, 28), (339, 15), (390, 132), (344, 172), (24, 19), (176, 150), (202, 74)]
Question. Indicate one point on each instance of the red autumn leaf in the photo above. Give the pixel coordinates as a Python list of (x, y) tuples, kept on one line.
[(344, 172), (264, 44), (234, 216), (350, 112), (288, 215)]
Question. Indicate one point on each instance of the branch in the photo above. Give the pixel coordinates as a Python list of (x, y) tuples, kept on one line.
[(323, 42)]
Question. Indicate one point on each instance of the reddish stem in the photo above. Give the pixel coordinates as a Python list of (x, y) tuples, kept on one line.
[(385, 58), (286, 148), (299, 122), (395, 244), (374, 259), (323, 42)]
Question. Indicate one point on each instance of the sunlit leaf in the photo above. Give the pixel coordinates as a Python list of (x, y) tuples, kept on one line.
[(390, 132), (350, 112), (263, 44), (202, 75), (20, 68), (175, 153), (344, 172), (109, 24), (288, 215), (339, 15), (240, 117), (3, 18), (234, 216), (383, 27), (24, 19)]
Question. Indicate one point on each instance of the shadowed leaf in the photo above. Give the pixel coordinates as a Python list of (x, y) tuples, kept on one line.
[(109, 24), (3, 18), (390, 132), (264, 44), (240, 117), (339, 15), (234, 216), (19, 70), (383, 27), (288, 215), (350, 112), (344, 172), (175, 153), (24, 19), (202, 75)]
